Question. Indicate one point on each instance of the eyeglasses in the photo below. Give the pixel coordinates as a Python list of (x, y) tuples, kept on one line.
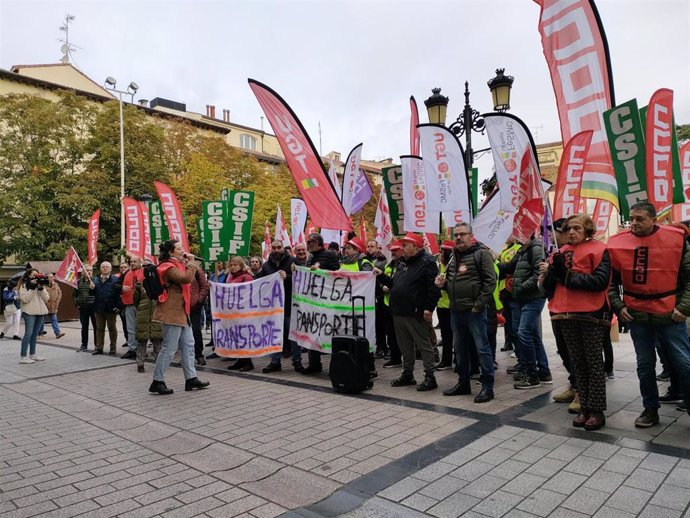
[(462, 234)]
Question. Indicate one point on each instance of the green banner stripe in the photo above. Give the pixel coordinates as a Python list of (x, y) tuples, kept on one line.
[(341, 307), (598, 186)]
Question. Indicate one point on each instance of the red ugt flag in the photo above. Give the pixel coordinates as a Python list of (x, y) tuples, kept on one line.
[(69, 268)]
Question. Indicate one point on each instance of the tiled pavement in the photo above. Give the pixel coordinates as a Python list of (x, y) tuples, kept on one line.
[(80, 436)]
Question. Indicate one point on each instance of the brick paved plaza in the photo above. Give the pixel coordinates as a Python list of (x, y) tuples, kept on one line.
[(81, 436)]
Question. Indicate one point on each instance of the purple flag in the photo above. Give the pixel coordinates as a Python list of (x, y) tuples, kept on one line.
[(362, 194)]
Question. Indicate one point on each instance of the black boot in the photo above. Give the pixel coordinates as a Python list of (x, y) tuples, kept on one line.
[(484, 396), (461, 389), (158, 387), (429, 383), (195, 383), (406, 379)]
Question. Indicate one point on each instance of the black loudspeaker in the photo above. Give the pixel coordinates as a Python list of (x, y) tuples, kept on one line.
[(350, 363)]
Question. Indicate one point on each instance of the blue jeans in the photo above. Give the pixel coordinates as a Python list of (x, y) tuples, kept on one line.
[(296, 349), (529, 347), (131, 319), (32, 325), (466, 326), (174, 337), (674, 341)]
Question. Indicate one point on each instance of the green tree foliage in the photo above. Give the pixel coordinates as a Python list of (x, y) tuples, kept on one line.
[(43, 200), (683, 132)]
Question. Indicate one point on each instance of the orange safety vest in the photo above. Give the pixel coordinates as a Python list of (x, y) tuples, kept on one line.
[(649, 268), (582, 258)]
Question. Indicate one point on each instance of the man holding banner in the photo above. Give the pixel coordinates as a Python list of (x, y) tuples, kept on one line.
[(281, 261), (413, 299)]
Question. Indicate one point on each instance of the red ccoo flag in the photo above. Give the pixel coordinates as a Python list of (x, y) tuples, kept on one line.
[(92, 238), (173, 214)]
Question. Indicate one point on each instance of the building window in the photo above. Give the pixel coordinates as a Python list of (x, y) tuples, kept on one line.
[(247, 142)]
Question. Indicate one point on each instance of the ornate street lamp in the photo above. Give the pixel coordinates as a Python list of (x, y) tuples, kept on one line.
[(470, 119)]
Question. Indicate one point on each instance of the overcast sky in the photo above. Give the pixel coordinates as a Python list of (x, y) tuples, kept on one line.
[(350, 65)]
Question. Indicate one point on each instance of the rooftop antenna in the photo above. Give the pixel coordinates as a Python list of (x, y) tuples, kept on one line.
[(67, 48)]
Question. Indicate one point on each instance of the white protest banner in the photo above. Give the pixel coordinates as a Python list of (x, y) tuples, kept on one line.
[(248, 317), (326, 304)]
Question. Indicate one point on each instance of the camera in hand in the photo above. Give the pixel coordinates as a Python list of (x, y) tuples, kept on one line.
[(38, 280)]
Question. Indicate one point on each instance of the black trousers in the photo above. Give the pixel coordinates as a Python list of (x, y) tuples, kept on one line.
[(446, 335), (563, 351), (87, 315), (391, 338), (195, 320), (380, 326)]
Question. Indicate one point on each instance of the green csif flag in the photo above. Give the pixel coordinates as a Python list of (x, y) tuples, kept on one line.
[(625, 133), (474, 190), (159, 229), (392, 180), (213, 231), (240, 209)]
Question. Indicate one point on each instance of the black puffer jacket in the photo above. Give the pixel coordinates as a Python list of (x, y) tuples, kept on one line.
[(524, 268), (470, 279), (327, 260), (412, 288), (285, 264)]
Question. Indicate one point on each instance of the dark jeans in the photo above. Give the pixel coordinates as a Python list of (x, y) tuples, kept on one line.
[(87, 315), (295, 349), (674, 340), (380, 327), (446, 335), (195, 320), (124, 324), (529, 346), (509, 334), (492, 328), (469, 330)]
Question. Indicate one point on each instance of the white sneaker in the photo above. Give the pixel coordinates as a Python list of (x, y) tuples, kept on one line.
[(25, 359), (36, 358)]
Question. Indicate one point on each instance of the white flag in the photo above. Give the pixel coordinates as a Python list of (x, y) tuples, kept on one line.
[(281, 229), (444, 169), (382, 222), (333, 176), (418, 218), (350, 178), (298, 220)]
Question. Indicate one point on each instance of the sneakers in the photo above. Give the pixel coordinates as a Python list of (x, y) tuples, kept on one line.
[(648, 418), (566, 396), (512, 370), (59, 335), (527, 383), (484, 396), (391, 363), (36, 358), (26, 360), (272, 367), (546, 379), (681, 407), (81, 350), (201, 361), (575, 407), (670, 397), (442, 366), (610, 375), (212, 356), (403, 381), (97, 351), (195, 383), (373, 375), (507, 347), (429, 383)]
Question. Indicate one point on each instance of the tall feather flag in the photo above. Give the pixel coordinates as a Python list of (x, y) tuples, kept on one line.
[(362, 228), (298, 220), (135, 242), (382, 222), (335, 181), (173, 214), (414, 122), (281, 231), (659, 150), (577, 55), (148, 254), (68, 271), (567, 199), (303, 161), (530, 207), (92, 237), (681, 211)]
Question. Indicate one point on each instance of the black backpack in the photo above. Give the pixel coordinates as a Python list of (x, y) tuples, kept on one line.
[(151, 282)]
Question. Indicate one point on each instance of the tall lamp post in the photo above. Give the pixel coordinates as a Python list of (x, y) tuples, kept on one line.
[(111, 84), (470, 119)]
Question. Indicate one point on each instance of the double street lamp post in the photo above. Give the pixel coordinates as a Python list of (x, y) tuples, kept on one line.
[(470, 119), (111, 84)]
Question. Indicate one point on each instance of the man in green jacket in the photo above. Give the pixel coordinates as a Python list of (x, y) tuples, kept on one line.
[(470, 281)]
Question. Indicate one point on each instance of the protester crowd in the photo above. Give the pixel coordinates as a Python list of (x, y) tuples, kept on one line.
[(639, 277)]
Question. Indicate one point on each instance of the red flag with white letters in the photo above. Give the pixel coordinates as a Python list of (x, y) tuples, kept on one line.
[(92, 238), (567, 199), (658, 128), (134, 235), (173, 214), (69, 268)]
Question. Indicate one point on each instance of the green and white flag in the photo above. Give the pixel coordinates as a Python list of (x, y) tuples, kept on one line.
[(213, 231), (240, 209), (392, 181), (159, 229), (326, 304), (625, 134)]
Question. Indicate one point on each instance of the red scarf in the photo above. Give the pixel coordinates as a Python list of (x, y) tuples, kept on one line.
[(186, 288)]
